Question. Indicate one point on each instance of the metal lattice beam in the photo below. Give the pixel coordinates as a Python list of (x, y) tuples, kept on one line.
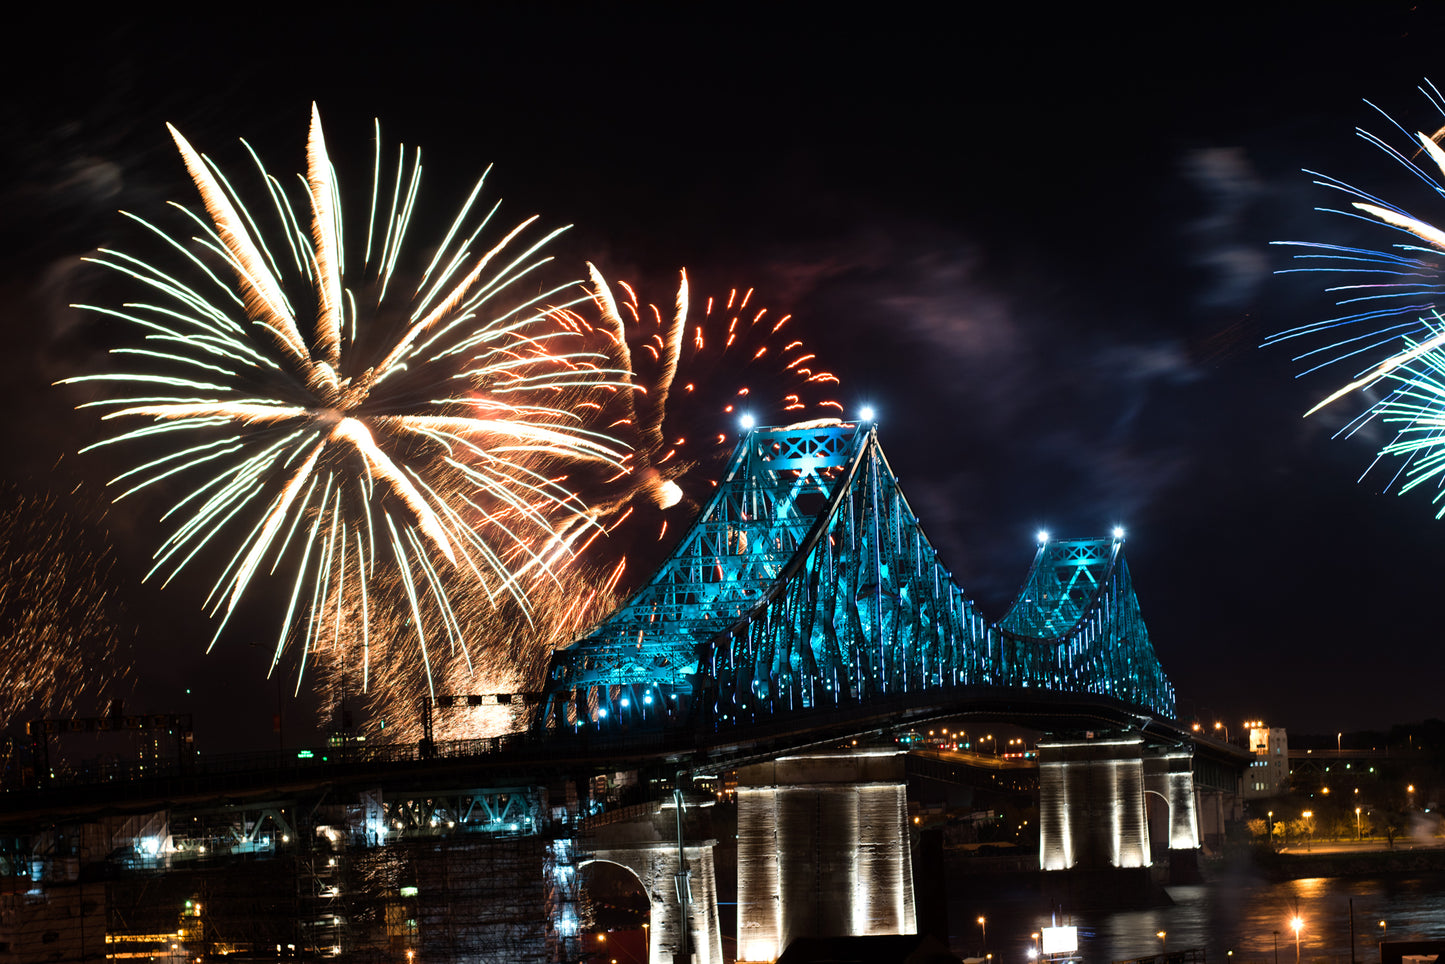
[(808, 582)]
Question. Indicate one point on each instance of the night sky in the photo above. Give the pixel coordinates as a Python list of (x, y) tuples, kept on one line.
[(1037, 245)]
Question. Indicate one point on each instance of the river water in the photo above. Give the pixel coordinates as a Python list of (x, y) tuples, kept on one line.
[(1238, 912)]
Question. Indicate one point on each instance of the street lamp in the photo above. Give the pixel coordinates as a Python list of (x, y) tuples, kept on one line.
[(1218, 725), (1383, 931), (1309, 818), (1359, 834), (983, 934), (646, 945), (1298, 924), (1163, 944)]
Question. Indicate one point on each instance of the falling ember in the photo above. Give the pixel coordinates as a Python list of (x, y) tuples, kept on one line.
[(66, 638), (404, 440)]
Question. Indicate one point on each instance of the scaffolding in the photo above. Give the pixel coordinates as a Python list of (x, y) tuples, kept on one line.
[(438, 876)]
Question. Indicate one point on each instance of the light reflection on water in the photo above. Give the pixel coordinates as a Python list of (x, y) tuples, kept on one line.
[(1239, 913)]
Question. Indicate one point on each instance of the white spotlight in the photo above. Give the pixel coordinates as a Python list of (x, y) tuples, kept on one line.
[(1118, 532), (1043, 536), (866, 414), (746, 422)]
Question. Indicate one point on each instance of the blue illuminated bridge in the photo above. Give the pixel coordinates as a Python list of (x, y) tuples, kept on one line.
[(807, 587), (804, 611), (804, 606)]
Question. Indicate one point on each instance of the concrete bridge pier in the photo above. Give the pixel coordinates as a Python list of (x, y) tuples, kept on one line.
[(823, 850), (1170, 799), (1091, 803), (1094, 804)]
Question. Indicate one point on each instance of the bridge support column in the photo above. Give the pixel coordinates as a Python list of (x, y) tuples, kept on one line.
[(1169, 778), (823, 850), (1170, 774), (1091, 803)]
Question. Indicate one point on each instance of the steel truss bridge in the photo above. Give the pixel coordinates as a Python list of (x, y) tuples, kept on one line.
[(807, 584)]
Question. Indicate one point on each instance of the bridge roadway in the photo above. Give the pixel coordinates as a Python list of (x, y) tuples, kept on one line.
[(538, 759)]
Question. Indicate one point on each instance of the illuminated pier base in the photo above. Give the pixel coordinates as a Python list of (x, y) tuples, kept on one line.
[(1093, 810), (1091, 804), (822, 850)]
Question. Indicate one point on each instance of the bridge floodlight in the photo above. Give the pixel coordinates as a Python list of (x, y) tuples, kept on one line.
[(1118, 532), (746, 421), (1043, 536), (866, 413)]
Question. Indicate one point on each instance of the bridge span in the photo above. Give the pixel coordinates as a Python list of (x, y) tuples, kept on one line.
[(803, 611)]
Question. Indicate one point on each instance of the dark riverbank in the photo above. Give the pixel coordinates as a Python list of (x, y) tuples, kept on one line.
[(1406, 860)]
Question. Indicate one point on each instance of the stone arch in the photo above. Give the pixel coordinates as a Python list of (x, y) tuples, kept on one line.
[(1169, 773), (1157, 823), (599, 876), (655, 865)]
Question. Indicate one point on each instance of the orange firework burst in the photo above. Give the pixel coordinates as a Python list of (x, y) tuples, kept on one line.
[(354, 431)]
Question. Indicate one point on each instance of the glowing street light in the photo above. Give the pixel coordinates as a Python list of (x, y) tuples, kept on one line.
[(1163, 944), (1383, 931), (1358, 834), (1218, 725), (983, 932), (1298, 923)]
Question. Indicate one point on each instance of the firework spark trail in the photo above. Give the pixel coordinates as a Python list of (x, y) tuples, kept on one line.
[(1391, 323), (66, 637), (414, 438), (696, 370), (692, 370)]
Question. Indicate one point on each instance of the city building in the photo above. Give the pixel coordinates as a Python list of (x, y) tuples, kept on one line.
[(1268, 774)]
